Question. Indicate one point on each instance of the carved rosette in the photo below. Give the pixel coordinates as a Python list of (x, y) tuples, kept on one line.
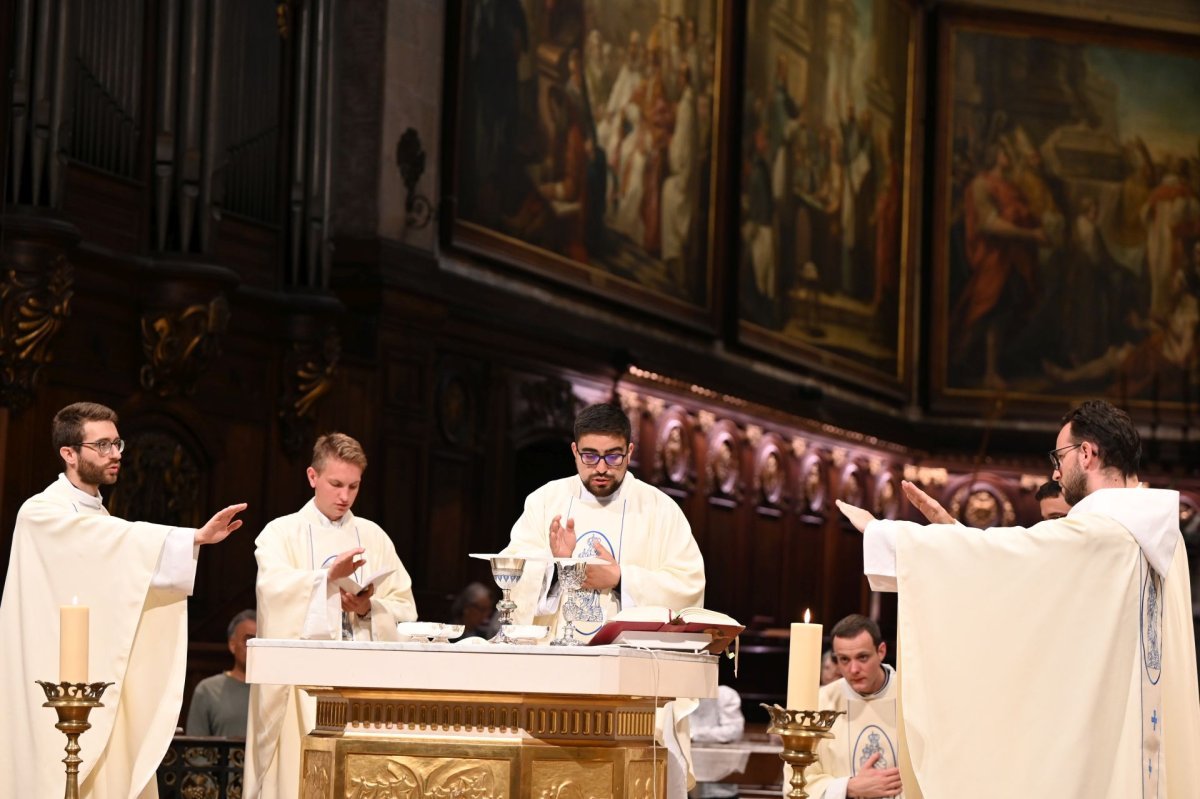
[(33, 308)]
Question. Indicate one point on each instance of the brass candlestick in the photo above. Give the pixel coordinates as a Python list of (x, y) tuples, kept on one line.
[(801, 731), (73, 701)]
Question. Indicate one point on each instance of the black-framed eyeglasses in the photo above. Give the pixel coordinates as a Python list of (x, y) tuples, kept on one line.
[(1056, 459), (613, 459), (104, 446)]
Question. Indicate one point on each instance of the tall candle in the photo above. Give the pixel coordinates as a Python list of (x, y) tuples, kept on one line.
[(73, 643), (804, 665)]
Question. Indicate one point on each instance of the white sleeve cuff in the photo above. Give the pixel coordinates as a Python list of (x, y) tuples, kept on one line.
[(176, 569), (836, 789), (879, 555), (324, 615), (548, 601)]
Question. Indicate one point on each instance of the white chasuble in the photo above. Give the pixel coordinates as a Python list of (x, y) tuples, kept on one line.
[(643, 528), (297, 600), (65, 545), (1055, 660), (869, 727), (647, 533)]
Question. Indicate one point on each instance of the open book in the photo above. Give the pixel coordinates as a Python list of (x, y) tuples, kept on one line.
[(352, 586), (654, 626)]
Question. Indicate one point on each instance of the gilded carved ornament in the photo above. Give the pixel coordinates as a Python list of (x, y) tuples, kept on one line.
[(32, 312), (178, 345)]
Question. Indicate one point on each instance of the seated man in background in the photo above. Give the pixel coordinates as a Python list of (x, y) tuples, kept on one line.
[(475, 610), (829, 669), (220, 702), (1050, 500), (860, 760), (300, 559)]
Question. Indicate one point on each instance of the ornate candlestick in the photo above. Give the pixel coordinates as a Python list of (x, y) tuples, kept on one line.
[(801, 731), (507, 573), (73, 701)]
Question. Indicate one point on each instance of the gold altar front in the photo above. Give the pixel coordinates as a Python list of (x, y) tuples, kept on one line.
[(414, 735)]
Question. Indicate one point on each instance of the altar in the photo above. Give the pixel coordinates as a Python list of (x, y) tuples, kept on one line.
[(476, 720)]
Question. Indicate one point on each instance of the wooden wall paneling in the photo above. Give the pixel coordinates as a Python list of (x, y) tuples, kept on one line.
[(450, 517), (109, 211)]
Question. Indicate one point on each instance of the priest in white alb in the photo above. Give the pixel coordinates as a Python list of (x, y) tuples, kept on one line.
[(605, 512), (645, 541), (1054, 660), (301, 558), (862, 759), (135, 578)]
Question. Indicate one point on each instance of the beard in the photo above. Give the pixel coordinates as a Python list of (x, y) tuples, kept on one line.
[(96, 475), (602, 491), (1074, 487)]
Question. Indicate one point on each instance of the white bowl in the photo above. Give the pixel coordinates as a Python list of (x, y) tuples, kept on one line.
[(525, 633)]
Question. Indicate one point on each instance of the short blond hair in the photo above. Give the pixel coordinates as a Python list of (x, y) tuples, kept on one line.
[(340, 447)]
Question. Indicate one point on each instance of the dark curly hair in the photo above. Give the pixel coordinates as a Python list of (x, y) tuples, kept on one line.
[(1112, 432), (603, 419)]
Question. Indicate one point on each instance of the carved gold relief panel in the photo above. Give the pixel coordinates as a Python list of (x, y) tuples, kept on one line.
[(571, 779), (416, 777)]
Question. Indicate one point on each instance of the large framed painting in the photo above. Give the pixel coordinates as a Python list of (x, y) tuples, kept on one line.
[(584, 145), (1066, 234), (828, 216)]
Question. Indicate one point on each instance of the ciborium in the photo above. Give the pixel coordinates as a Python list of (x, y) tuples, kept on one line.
[(801, 731), (73, 701), (507, 573), (571, 574)]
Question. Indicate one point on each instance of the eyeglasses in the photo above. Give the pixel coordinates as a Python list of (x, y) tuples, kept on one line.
[(104, 446), (613, 459), (1056, 459)]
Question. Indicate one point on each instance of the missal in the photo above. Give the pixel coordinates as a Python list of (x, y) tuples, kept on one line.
[(352, 586), (658, 627)]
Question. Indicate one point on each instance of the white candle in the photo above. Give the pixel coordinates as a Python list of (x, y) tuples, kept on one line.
[(804, 665), (73, 643)]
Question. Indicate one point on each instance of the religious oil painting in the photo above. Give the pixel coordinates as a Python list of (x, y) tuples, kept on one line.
[(585, 144), (1067, 220), (826, 209)]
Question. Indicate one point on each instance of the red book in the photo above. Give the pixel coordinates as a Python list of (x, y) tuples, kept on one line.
[(684, 627)]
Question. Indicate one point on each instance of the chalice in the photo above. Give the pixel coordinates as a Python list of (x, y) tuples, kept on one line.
[(571, 575), (507, 573)]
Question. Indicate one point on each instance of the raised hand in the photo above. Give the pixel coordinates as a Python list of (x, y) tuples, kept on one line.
[(859, 517), (562, 537), (929, 507), (218, 528), (345, 564)]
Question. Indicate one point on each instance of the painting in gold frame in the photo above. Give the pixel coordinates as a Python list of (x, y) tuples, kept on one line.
[(829, 208), (584, 142), (1066, 233)]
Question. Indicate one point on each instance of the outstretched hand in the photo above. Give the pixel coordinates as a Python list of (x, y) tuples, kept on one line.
[(929, 507), (859, 517), (345, 563), (218, 528)]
